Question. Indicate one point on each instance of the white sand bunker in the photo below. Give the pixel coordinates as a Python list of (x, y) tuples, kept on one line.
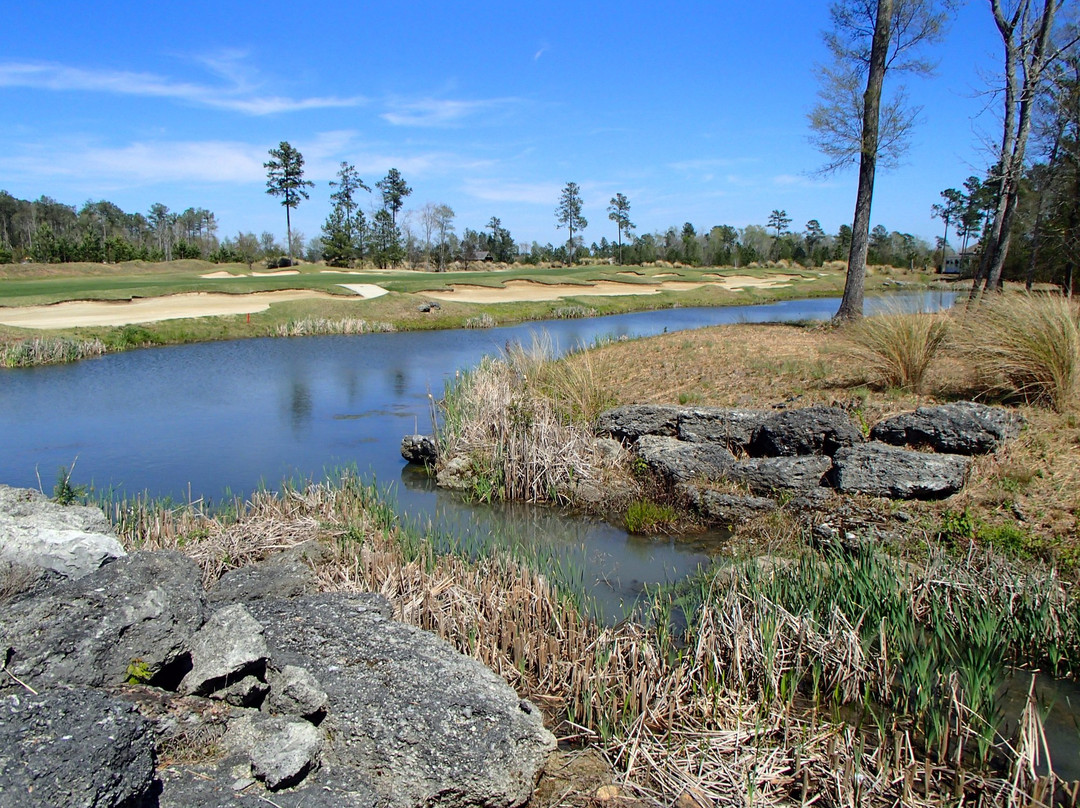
[(739, 282), (519, 291), (221, 274), (365, 290), (275, 273), (146, 310)]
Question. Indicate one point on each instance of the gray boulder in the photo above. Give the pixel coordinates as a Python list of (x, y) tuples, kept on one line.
[(73, 749), (630, 422), (678, 461), (764, 475), (72, 540), (412, 720), (882, 470), (727, 509), (281, 751), (294, 691), (805, 431), (419, 449), (963, 427), (733, 428), (283, 575), (229, 647), (89, 631)]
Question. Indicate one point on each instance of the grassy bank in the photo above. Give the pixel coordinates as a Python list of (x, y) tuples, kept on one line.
[(26, 285), (751, 685)]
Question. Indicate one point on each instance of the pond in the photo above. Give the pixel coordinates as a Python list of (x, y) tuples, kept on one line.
[(210, 419)]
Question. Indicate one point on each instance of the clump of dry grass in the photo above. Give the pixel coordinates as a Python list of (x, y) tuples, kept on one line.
[(318, 326), (896, 348), (521, 422), (1027, 345), (49, 350)]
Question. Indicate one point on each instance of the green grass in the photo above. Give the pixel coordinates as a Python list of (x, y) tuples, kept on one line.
[(30, 284)]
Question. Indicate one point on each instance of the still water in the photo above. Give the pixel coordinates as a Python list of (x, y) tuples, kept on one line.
[(199, 421)]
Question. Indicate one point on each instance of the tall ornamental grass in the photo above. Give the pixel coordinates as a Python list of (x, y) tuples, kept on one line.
[(1027, 345), (896, 347)]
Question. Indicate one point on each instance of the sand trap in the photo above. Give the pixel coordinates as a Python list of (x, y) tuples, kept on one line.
[(365, 290), (343, 272), (275, 273), (632, 274), (735, 282), (517, 291), (668, 275), (146, 310), (221, 274)]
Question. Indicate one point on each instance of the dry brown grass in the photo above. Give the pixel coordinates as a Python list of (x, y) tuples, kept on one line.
[(668, 720)]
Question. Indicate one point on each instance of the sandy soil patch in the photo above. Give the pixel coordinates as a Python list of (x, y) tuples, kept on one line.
[(518, 291), (146, 310), (365, 290), (632, 274), (275, 273), (668, 275), (221, 274), (734, 282)]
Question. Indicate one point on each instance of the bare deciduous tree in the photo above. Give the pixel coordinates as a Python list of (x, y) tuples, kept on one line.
[(870, 38)]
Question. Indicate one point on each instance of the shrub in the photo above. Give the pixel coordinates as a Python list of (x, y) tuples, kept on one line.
[(898, 347), (1028, 345)]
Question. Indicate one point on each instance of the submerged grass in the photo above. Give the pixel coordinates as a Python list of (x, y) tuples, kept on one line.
[(728, 688)]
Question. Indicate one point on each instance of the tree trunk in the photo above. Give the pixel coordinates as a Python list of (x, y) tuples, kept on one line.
[(1019, 108), (851, 307)]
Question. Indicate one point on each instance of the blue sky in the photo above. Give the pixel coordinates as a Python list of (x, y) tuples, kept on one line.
[(695, 111)]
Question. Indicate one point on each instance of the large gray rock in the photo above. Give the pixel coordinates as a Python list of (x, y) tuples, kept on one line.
[(419, 449), (630, 422), (733, 428), (282, 751), (72, 540), (294, 691), (73, 749), (678, 461), (963, 427), (727, 509), (283, 575), (229, 647), (410, 720), (88, 631), (805, 431), (888, 471), (765, 475)]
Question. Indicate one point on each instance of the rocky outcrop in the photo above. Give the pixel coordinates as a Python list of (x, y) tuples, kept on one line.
[(678, 461), (73, 747), (136, 610), (964, 427), (734, 428), (804, 453), (409, 717), (727, 509), (321, 698), (629, 423), (888, 471), (805, 431), (72, 541), (766, 475), (420, 449)]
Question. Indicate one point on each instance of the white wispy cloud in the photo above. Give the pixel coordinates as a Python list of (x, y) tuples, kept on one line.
[(441, 112), (89, 162), (236, 94)]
